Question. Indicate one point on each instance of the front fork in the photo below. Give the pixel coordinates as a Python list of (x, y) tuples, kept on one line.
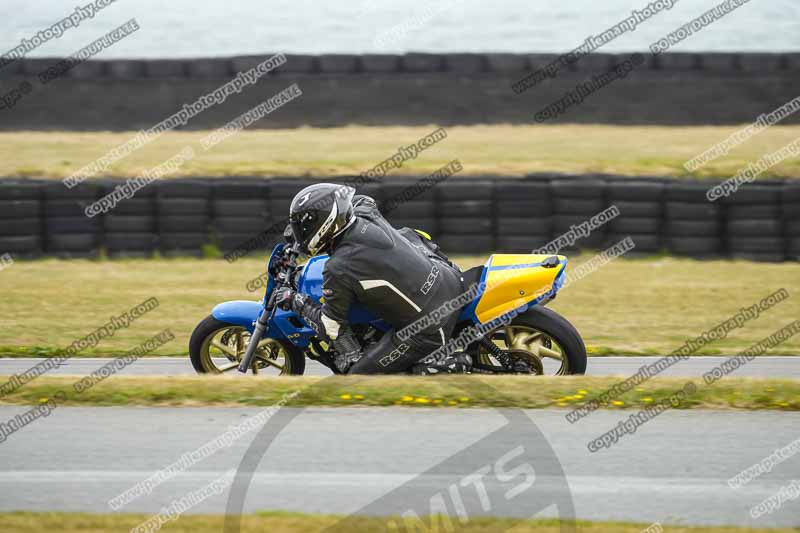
[(258, 332)]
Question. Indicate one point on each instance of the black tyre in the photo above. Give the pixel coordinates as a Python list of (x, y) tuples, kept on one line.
[(243, 224), (129, 224), (373, 190), (182, 241), (19, 208), (422, 209), (791, 193), (690, 211), (229, 242), (406, 190), (428, 225), (21, 244), (216, 347), (465, 208), (183, 224), (239, 208), (513, 208), (248, 191), (523, 226), (136, 206), (183, 189), (67, 242), (536, 191), (635, 191), (465, 226), (644, 243), (691, 228), (57, 190), (688, 191), (793, 248), (10, 190), (754, 228), (465, 244), (465, 189), (182, 206), (578, 206), (765, 244), (521, 244), (635, 225), (638, 209), (555, 335), (60, 225), (578, 188), (75, 207), (563, 223), (20, 226), (695, 246), (754, 194), (131, 241), (736, 212)]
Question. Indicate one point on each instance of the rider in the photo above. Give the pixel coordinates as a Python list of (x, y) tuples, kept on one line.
[(399, 275)]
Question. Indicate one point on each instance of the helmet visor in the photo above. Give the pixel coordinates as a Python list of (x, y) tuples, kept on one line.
[(304, 225)]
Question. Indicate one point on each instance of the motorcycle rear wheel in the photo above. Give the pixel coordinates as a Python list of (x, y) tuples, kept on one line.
[(550, 343), (217, 347)]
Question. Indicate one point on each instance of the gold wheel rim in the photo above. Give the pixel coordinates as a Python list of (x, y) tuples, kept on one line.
[(223, 349), (537, 345)]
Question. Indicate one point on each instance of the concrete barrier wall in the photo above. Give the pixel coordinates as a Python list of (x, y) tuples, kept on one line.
[(464, 215), (673, 88)]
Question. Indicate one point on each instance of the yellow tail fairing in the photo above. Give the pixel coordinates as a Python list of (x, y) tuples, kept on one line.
[(513, 280)]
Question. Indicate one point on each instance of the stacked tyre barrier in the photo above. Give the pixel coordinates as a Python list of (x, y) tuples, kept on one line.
[(755, 224), (693, 225), (184, 216), (465, 215), (523, 215), (575, 201), (68, 232), (239, 210), (790, 206), (465, 212), (641, 214), (131, 229), (406, 209), (21, 219)]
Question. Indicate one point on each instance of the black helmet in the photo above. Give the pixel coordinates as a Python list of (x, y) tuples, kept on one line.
[(319, 213)]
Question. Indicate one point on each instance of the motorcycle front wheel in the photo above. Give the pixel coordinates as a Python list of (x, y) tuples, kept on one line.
[(217, 347)]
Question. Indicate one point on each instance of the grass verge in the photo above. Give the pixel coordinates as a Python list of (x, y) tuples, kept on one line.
[(284, 522), (629, 306), (489, 149), (411, 391)]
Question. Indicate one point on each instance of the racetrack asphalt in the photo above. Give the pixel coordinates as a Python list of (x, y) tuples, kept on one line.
[(765, 366), (672, 470)]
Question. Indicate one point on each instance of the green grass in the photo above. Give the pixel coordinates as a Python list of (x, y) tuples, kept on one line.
[(497, 149), (630, 306), (285, 522), (412, 391)]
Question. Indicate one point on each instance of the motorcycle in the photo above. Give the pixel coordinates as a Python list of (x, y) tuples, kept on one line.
[(508, 309)]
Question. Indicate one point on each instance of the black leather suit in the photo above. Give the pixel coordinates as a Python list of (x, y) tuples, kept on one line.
[(399, 276)]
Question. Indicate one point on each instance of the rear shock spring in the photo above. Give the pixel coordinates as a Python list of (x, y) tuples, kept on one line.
[(498, 354)]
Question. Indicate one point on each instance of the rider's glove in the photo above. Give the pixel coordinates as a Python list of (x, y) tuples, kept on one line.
[(287, 299)]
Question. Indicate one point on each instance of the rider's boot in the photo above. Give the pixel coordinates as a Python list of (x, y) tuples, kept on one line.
[(458, 363)]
